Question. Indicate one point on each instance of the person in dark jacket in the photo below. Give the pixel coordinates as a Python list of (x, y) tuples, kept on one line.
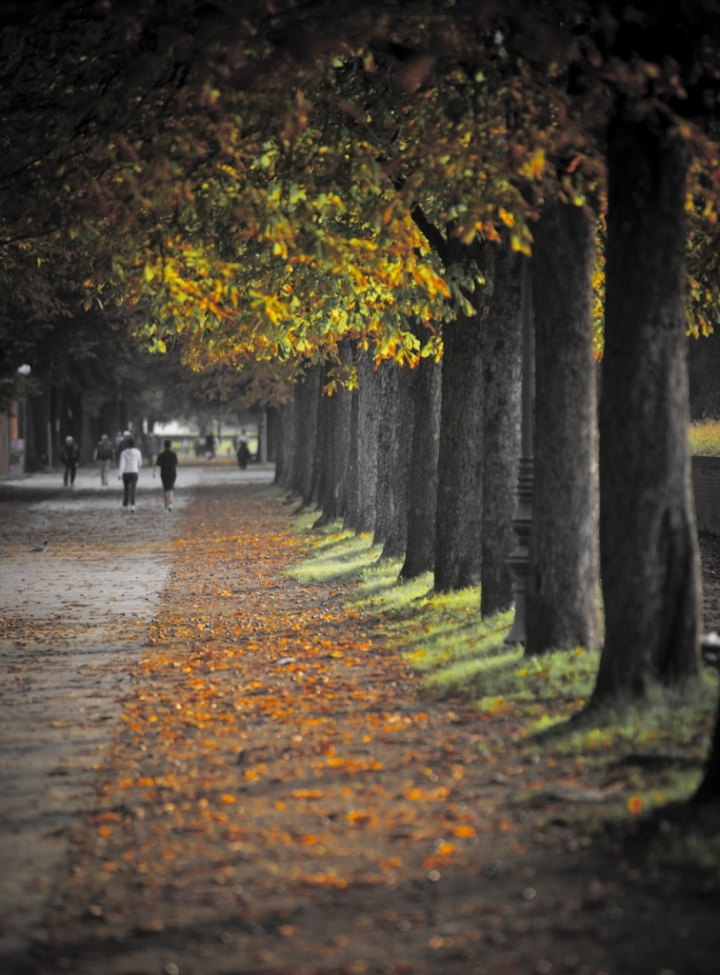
[(69, 457), (243, 454), (167, 461), (104, 456)]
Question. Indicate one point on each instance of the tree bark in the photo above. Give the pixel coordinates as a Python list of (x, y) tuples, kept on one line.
[(709, 788), (336, 452), (458, 540), (388, 401), (273, 420), (458, 519), (562, 601), (367, 441), (425, 393), (401, 441), (306, 417), (352, 494), (286, 445), (502, 375), (87, 438), (318, 485), (649, 551), (324, 460)]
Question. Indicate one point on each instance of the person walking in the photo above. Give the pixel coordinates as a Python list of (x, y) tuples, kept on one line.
[(128, 470), (104, 455), (167, 461), (119, 445), (243, 455), (69, 457)]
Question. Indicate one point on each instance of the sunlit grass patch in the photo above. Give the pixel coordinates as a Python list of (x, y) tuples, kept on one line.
[(457, 653), (705, 438), (337, 555), (670, 718), (460, 653), (380, 590), (333, 555)]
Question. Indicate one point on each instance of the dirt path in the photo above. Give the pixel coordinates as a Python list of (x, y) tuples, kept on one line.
[(280, 795), (73, 620)]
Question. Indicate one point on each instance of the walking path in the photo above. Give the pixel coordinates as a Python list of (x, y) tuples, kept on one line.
[(257, 784), (73, 620)]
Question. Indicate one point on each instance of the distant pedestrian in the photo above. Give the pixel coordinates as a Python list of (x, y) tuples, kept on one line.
[(210, 446), (167, 461), (69, 457), (104, 456), (120, 444), (243, 455), (185, 447), (128, 470)]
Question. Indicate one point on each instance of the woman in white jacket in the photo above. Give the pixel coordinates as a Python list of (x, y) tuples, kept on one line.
[(128, 470)]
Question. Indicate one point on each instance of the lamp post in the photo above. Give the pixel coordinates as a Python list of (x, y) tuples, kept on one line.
[(24, 370), (522, 522)]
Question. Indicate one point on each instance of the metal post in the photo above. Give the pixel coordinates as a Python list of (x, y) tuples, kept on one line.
[(522, 522)]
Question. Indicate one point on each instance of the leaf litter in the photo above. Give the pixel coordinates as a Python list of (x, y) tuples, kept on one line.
[(282, 794)]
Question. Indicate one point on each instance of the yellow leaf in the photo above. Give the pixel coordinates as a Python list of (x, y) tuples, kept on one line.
[(507, 218)]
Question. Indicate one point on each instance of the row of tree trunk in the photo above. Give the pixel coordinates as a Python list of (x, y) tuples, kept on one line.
[(427, 459)]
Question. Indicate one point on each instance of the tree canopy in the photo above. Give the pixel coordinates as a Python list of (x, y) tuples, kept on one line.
[(247, 175)]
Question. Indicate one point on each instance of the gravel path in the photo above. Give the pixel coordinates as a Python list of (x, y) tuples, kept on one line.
[(73, 620)]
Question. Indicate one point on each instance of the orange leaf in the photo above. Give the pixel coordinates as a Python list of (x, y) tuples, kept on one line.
[(464, 831), (635, 805)]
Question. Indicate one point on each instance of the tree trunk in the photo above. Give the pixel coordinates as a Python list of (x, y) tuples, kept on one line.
[(650, 563), (502, 365), (286, 446), (388, 400), (458, 541), (273, 420), (709, 789), (562, 601), (318, 484), (352, 491), (87, 438), (336, 452), (367, 441), (323, 472), (307, 391), (423, 469), (402, 434)]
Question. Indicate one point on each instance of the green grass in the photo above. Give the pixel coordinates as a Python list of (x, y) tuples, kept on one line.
[(705, 438), (459, 654)]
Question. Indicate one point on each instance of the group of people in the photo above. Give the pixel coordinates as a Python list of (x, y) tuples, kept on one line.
[(128, 458), (129, 462), (129, 469)]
